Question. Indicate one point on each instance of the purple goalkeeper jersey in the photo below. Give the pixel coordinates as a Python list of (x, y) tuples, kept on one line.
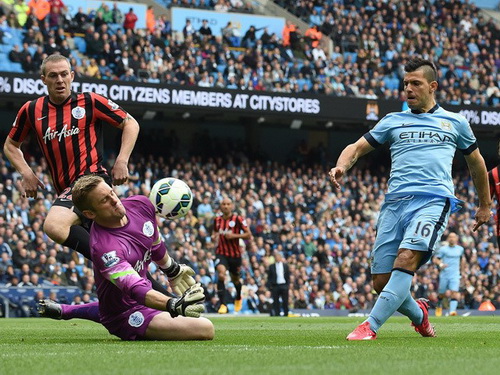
[(121, 257)]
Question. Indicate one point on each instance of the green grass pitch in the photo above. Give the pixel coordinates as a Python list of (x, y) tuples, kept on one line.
[(254, 345)]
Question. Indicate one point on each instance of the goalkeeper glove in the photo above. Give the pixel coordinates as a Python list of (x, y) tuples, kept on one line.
[(189, 304), (179, 276)]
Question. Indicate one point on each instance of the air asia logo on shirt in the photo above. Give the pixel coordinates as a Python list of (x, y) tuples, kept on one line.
[(78, 112), (113, 105), (148, 229), (110, 259), (136, 319), (66, 131)]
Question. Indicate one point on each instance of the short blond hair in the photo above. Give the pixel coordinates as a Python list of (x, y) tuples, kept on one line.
[(54, 58), (81, 190)]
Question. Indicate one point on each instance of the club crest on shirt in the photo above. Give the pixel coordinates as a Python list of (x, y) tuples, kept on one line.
[(136, 319), (445, 125), (78, 112), (232, 224), (113, 105), (110, 259), (148, 229)]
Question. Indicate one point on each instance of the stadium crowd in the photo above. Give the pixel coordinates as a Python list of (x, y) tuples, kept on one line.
[(372, 40), (326, 236)]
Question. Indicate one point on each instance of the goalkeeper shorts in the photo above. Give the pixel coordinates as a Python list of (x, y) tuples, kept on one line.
[(131, 324)]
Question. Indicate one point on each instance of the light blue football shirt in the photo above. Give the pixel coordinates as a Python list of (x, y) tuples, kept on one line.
[(450, 255), (422, 149)]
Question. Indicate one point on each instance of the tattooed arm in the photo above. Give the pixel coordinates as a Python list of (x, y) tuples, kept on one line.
[(479, 176), (348, 158)]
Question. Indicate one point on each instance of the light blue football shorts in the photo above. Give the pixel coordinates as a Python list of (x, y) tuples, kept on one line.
[(414, 222), (448, 283)]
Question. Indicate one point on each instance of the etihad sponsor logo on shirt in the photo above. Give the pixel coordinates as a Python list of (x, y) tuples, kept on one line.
[(424, 137), (66, 131), (110, 259)]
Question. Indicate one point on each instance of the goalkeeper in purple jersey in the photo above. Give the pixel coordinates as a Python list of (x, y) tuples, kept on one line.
[(124, 239)]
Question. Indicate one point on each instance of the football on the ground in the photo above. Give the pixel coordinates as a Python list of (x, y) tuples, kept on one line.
[(171, 197)]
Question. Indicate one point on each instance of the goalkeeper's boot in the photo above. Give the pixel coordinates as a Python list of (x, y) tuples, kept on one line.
[(49, 309), (425, 328), (362, 332), (222, 309), (238, 305)]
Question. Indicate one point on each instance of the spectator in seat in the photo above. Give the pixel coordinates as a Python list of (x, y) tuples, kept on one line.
[(150, 19), (95, 45), (313, 36), (29, 66), (39, 8), (130, 20), (21, 9), (106, 13), (56, 19), (80, 19), (51, 46), (15, 54), (117, 14), (205, 31)]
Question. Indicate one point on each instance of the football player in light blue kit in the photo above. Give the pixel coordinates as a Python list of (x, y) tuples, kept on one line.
[(448, 260), (420, 195)]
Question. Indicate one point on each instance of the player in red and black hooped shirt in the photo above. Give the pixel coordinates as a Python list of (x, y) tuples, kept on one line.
[(68, 127), (228, 229)]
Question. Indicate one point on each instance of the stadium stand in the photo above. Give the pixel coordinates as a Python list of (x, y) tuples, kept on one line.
[(326, 236), (371, 39)]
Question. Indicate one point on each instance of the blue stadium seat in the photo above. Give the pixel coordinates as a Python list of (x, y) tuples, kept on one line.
[(114, 27), (32, 50), (301, 82), (5, 48), (16, 67), (13, 41), (19, 33), (80, 44), (235, 41), (4, 58), (75, 55), (352, 55)]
